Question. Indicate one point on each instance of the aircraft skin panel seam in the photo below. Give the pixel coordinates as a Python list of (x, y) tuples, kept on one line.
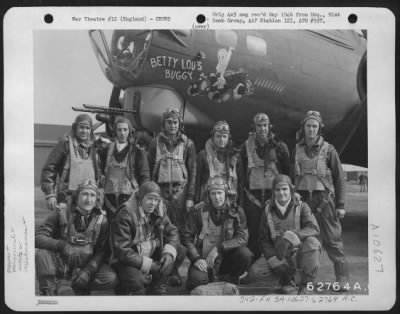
[(332, 40)]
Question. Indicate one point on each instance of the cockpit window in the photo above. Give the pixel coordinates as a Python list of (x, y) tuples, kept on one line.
[(256, 45), (226, 37)]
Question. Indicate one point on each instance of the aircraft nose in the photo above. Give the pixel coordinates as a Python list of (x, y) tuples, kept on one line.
[(122, 59)]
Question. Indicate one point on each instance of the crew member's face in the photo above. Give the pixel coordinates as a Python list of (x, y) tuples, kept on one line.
[(83, 131), (122, 131), (282, 193), (311, 127), (221, 139), (262, 130), (150, 202), (87, 199), (217, 197), (171, 126)]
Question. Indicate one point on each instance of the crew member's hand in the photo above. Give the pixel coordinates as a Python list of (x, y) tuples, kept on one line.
[(283, 247), (340, 213), (212, 256), (189, 205), (201, 265), (167, 264), (278, 266), (68, 254), (51, 202), (81, 280), (155, 268)]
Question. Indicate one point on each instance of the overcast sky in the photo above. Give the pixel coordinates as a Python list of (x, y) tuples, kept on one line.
[(66, 74)]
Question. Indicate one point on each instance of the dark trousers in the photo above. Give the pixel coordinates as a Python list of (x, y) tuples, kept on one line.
[(49, 267), (306, 259), (253, 216), (133, 281), (323, 207), (176, 205), (330, 227), (234, 263)]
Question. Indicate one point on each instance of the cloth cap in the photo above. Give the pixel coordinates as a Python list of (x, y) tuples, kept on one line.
[(83, 118), (261, 117), (217, 183), (147, 188), (312, 114), (221, 127)]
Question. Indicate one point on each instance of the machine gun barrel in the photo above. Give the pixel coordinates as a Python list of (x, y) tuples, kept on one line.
[(102, 109), (111, 110)]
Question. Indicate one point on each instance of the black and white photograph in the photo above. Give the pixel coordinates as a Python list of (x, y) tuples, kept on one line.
[(182, 162)]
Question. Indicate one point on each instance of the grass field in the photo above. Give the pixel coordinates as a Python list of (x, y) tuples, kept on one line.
[(355, 237)]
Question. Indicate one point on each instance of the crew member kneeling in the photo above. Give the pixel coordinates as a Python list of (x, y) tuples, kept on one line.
[(72, 243), (145, 244), (287, 237), (216, 236)]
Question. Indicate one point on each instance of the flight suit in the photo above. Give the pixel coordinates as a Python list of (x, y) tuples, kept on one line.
[(89, 239), (125, 171), (304, 250), (71, 162), (136, 242), (212, 162), (319, 179), (204, 230), (173, 167), (261, 164)]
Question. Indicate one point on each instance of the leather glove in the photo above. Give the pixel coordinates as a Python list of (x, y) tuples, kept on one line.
[(279, 267), (68, 254), (51, 202), (81, 280), (340, 213), (167, 264), (283, 247), (201, 265), (212, 256), (155, 268)]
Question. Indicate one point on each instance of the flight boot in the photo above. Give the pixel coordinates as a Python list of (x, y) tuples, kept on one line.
[(288, 285), (342, 276)]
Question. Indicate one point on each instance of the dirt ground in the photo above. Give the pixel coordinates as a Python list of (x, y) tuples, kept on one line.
[(355, 237)]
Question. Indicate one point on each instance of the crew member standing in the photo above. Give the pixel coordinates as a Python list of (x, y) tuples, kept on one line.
[(264, 156), (172, 161), (218, 158), (71, 161), (319, 179), (288, 232), (125, 166)]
